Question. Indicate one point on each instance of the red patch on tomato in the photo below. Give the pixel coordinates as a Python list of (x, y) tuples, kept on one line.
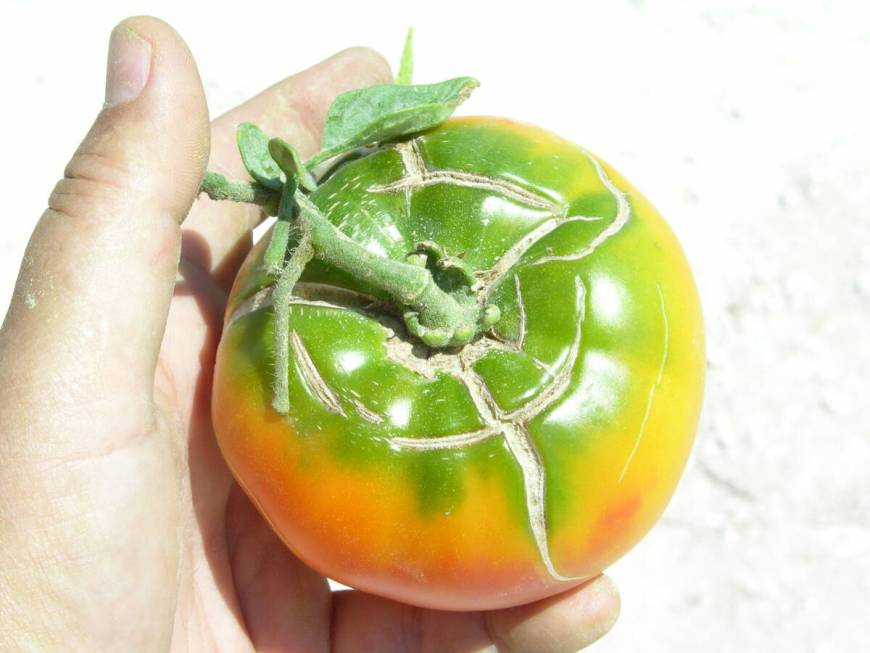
[(614, 526), (621, 514)]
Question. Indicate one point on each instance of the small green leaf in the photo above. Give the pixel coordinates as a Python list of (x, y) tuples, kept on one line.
[(254, 148), (387, 111), (406, 65), (287, 158)]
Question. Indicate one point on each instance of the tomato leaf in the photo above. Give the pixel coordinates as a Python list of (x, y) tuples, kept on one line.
[(254, 148), (406, 65), (387, 111), (287, 158)]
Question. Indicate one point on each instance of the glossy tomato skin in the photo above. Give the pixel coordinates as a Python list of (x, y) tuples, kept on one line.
[(517, 467)]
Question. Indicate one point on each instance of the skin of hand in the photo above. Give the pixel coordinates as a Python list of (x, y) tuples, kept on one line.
[(121, 527)]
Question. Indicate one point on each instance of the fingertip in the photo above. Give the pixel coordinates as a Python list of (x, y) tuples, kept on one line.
[(151, 28), (171, 109), (600, 604), (563, 623)]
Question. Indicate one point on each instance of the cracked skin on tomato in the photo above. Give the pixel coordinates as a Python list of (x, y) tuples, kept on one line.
[(572, 254)]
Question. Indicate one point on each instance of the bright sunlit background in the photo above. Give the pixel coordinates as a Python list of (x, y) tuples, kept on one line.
[(745, 122)]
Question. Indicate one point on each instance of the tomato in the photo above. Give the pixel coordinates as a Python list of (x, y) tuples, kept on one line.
[(502, 471)]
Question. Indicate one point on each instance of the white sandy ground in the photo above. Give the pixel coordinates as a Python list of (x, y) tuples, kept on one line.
[(746, 123)]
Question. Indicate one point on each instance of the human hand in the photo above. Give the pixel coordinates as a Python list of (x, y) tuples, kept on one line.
[(121, 527)]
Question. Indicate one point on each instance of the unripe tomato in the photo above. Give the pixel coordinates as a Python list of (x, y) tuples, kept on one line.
[(516, 466)]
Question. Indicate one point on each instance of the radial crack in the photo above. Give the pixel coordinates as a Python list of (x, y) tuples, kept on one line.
[(523, 448), (412, 159), (520, 444), (512, 425), (367, 413), (311, 376), (521, 312), (652, 390)]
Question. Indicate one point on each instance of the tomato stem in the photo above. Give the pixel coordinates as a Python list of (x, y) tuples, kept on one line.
[(281, 303), (219, 187), (438, 317)]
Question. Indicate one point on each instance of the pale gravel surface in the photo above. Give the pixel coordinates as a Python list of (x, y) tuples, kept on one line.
[(746, 123)]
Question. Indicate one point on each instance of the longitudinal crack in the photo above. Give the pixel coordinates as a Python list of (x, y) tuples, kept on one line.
[(490, 278), (304, 294), (506, 262), (455, 441), (562, 376), (623, 210)]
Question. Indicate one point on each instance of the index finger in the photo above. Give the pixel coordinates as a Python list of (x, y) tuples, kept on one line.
[(563, 623)]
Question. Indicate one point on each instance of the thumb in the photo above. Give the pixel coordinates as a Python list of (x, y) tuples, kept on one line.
[(92, 297)]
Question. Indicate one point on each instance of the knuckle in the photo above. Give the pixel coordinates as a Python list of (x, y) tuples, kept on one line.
[(76, 198), (90, 180), (90, 164)]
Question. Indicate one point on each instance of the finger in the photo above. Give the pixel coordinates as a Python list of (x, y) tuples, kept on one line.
[(566, 622), (285, 604), (561, 624), (295, 108), (92, 296)]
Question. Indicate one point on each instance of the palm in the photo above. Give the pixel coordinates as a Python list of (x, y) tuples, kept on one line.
[(239, 588), (239, 585)]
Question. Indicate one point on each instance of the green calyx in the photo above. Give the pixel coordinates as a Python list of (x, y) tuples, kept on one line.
[(433, 291)]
